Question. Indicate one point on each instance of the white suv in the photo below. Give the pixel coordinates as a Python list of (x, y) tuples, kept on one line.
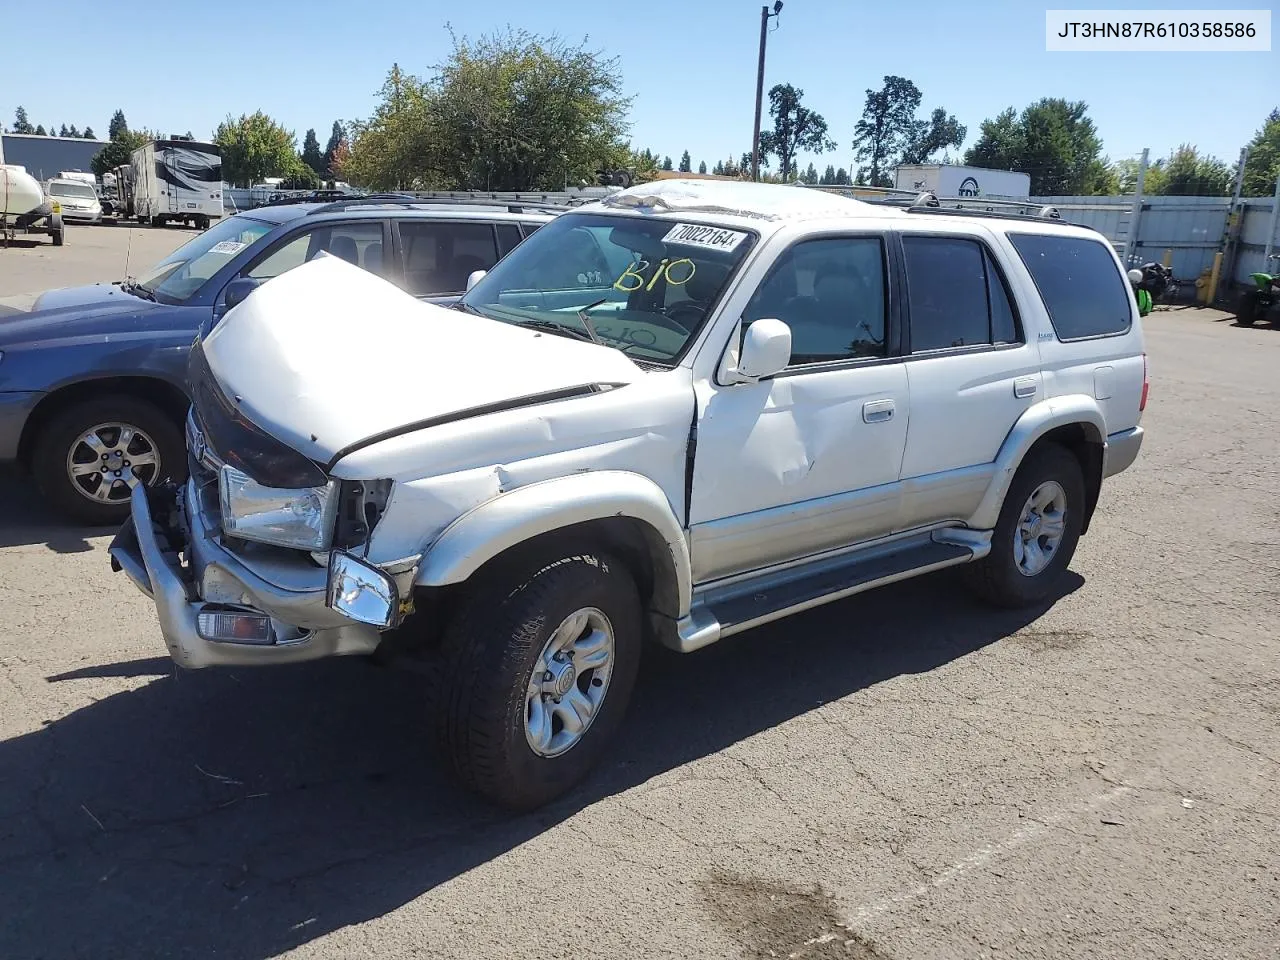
[(672, 415)]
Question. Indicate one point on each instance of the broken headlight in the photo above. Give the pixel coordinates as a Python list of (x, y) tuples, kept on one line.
[(299, 517)]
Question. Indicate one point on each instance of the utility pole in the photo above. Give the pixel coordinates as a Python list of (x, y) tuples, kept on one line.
[(764, 36)]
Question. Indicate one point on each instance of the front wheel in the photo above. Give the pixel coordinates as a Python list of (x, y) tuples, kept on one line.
[(1247, 309), (538, 672), (89, 457), (1036, 534)]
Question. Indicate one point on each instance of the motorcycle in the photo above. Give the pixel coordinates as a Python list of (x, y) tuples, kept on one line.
[(1256, 303), (1151, 282)]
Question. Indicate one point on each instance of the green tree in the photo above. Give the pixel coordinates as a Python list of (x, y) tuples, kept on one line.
[(702, 166), (1263, 165), (795, 128), (718, 169), (62, 131), (117, 125), (828, 176), (311, 154), (39, 131), (810, 176), (255, 147), (89, 134), (1052, 140), (118, 150), (1187, 174), (508, 111), (889, 130), (842, 178), (336, 136), (686, 164), (20, 122), (940, 131), (304, 178), (666, 163)]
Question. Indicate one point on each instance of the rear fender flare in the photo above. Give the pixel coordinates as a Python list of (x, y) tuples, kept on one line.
[(524, 513), (1035, 422)]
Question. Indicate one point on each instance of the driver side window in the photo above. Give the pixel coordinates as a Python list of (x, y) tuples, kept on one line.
[(831, 293)]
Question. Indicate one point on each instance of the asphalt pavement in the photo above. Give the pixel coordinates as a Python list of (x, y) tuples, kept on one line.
[(904, 775)]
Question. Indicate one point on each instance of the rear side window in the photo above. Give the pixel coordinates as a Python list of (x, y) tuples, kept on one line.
[(1082, 290), (956, 296)]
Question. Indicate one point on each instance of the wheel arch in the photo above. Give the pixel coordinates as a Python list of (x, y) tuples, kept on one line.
[(1075, 422), (622, 511), (156, 390)]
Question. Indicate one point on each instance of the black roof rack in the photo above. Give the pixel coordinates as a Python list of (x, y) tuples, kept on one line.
[(408, 201)]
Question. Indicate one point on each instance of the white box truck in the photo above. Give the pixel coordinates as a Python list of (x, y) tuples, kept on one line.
[(950, 180), (177, 180)]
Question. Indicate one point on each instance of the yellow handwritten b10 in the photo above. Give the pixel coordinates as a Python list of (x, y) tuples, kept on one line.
[(636, 272)]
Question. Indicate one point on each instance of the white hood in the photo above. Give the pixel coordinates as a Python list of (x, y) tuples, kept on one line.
[(327, 355)]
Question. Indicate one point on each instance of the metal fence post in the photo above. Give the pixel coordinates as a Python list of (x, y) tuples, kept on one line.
[(1235, 223), (1135, 216), (1271, 232)]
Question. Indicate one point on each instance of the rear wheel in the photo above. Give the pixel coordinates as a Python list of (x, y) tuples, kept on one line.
[(538, 672), (1036, 535), (58, 236), (89, 457), (157, 221), (1247, 309)]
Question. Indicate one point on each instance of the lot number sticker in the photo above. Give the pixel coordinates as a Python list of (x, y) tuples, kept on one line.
[(228, 247), (709, 238)]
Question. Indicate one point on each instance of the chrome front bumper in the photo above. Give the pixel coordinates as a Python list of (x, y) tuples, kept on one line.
[(210, 576)]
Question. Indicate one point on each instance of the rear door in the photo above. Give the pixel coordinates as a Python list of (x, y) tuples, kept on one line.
[(971, 368), (437, 256)]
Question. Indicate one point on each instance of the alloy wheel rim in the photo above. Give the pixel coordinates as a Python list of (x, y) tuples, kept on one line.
[(108, 460), (1040, 529), (569, 682)]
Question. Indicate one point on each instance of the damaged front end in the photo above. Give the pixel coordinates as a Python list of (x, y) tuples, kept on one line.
[(256, 558)]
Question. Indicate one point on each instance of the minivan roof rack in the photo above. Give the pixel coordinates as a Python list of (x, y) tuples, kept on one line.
[(928, 202), (409, 201)]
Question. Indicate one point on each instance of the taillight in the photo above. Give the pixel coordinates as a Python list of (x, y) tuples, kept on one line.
[(1142, 404)]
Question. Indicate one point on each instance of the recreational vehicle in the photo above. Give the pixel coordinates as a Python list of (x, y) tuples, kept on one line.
[(177, 180)]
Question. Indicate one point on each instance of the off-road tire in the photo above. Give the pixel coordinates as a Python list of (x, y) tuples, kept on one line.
[(49, 458), (59, 236), (487, 656), (1247, 309), (996, 578)]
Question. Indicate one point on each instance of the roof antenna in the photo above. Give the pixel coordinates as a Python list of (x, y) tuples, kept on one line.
[(128, 252)]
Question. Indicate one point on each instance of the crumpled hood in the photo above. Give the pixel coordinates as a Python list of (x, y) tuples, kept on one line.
[(92, 310), (328, 355)]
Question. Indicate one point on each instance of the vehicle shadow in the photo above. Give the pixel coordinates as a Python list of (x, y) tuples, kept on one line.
[(242, 813), (26, 519)]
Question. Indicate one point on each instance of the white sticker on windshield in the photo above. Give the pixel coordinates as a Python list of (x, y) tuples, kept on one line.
[(710, 238), (228, 247)]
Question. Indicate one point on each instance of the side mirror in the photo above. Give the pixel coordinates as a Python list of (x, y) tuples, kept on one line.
[(476, 277), (766, 351), (237, 291)]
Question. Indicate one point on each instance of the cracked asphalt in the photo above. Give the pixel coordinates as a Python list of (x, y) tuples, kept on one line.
[(905, 775)]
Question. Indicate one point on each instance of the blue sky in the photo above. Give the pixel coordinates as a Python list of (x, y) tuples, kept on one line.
[(691, 66)]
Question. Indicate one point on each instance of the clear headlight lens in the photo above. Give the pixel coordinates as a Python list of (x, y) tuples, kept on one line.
[(302, 518)]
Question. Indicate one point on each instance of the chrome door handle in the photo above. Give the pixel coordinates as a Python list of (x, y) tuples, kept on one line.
[(878, 411), (1025, 387)]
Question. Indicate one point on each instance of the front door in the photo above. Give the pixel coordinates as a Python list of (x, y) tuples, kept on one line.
[(809, 460)]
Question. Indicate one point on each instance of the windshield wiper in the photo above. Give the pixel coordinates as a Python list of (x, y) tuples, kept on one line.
[(586, 321), (130, 285), (552, 327), (466, 308)]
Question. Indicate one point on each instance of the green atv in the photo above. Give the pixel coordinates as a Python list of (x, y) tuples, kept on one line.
[(1255, 303)]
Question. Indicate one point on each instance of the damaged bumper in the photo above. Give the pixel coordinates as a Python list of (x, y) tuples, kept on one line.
[(277, 608)]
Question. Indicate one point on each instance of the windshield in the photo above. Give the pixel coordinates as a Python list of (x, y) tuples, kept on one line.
[(66, 189), (178, 276), (645, 285)]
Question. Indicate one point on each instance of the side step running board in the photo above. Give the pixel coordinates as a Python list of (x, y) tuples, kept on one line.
[(722, 611)]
